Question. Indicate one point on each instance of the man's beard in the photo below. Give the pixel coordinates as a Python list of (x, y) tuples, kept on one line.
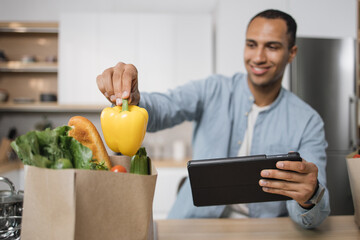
[(265, 85)]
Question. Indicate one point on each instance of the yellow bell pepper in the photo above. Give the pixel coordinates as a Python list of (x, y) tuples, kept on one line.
[(124, 127)]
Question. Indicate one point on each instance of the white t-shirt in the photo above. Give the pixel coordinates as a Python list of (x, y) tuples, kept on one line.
[(242, 210)]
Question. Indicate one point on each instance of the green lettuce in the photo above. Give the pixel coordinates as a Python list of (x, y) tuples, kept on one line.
[(45, 148)]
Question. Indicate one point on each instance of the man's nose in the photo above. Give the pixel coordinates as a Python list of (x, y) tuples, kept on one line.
[(259, 56)]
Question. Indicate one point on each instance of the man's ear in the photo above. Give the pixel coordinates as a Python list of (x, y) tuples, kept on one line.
[(292, 53)]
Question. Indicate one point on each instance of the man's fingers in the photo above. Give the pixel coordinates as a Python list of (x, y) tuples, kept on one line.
[(297, 191), (117, 80), (284, 185), (100, 84), (282, 175), (123, 77), (107, 81), (291, 194), (290, 176), (296, 166), (129, 76)]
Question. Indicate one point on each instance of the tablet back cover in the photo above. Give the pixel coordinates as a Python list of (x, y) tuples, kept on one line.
[(232, 180)]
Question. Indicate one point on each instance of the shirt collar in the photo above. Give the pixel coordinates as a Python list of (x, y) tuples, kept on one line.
[(251, 98)]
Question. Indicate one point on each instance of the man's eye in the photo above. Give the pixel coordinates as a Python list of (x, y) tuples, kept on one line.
[(250, 45), (273, 47)]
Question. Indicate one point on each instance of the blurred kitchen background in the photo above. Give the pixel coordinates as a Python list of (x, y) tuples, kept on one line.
[(52, 51)]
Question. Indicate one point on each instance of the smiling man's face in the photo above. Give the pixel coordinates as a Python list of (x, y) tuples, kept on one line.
[(267, 51)]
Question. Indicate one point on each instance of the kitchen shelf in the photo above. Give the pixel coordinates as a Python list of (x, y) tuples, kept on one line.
[(39, 107), (31, 69), (28, 27), (17, 66)]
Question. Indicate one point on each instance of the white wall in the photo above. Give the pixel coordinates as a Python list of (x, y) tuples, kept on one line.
[(232, 19), (315, 18), (50, 10), (167, 49)]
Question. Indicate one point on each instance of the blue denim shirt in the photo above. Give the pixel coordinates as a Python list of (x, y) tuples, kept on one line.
[(218, 106)]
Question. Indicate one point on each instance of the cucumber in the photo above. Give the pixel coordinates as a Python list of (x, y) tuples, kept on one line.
[(140, 162)]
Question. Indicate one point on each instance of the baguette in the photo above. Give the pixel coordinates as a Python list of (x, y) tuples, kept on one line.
[(86, 133)]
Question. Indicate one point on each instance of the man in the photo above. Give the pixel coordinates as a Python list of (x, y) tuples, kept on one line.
[(245, 114)]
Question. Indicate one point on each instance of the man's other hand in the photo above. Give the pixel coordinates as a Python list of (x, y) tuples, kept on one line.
[(297, 180)]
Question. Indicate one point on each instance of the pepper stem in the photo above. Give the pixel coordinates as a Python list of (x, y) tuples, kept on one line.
[(125, 106)]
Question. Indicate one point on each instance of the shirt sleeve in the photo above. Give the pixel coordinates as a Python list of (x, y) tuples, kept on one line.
[(184, 103), (312, 149)]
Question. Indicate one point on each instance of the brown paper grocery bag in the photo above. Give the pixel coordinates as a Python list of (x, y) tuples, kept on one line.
[(353, 165), (76, 204)]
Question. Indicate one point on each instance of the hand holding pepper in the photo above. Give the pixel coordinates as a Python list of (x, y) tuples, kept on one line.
[(120, 82)]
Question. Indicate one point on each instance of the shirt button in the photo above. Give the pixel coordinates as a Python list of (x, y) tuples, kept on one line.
[(246, 114), (239, 142), (251, 98)]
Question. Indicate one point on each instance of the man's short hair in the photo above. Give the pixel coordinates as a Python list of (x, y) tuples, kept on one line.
[(276, 14)]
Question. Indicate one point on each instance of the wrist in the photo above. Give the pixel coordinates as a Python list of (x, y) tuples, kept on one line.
[(316, 197), (307, 206)]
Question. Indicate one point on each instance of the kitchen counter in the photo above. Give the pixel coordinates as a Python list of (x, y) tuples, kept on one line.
[(334, 227)]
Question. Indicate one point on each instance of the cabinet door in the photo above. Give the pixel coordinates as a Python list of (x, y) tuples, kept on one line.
[(167, 49), (167, 184), (325, 19)]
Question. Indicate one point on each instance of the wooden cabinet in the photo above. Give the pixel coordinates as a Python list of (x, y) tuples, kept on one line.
[(28, 66)]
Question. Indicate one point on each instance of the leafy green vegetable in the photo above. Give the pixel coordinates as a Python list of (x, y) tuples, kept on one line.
[(62, 163), (98, 166), (53, 149)]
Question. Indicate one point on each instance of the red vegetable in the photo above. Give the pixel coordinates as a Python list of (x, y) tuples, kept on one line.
[(118, 168), (356, 156)]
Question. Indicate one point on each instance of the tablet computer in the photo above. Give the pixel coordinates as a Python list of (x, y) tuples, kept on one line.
[(233, 180)]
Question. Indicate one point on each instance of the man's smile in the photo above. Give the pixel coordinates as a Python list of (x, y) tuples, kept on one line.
[(259, 70)]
